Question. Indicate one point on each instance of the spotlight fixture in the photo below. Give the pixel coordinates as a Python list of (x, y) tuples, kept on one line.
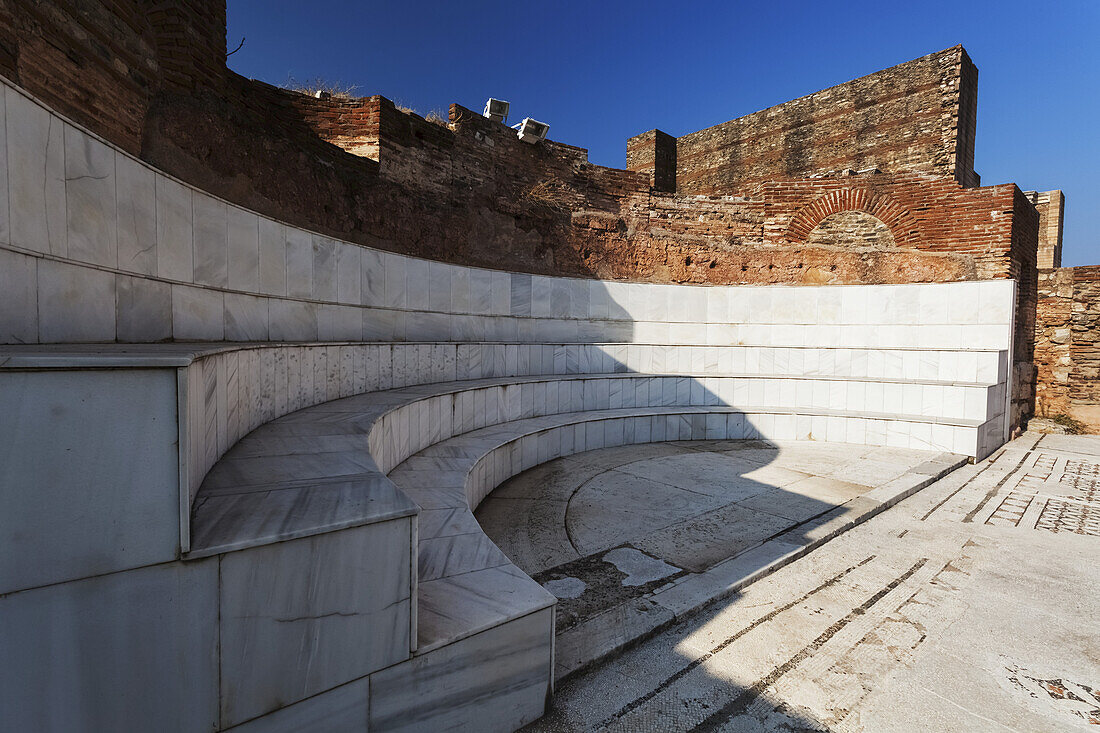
[(531, 131), (496, 110)]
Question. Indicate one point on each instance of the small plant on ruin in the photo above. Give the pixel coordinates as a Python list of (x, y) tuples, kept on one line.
[(1072, 426), (436, 117), (321, 88), (543, 194)]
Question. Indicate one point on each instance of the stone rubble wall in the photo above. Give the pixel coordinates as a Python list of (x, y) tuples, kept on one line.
[(1067, 345), (917, 116)]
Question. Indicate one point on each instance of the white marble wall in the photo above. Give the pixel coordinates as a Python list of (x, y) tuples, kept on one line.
[(293, 629), (99, 247), (89, 482)]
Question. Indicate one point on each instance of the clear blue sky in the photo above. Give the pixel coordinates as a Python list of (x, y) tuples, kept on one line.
[(600, 72)]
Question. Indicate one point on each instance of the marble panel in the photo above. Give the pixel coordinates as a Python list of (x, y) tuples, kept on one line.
[(90, 199), (349, 282), (246, 318), (175, 258), (198, 314), (143, 310), (460, 290), (481, 293), (497, 680), (133, 651), (211, 248), (273, 257), (299, 263), (325, 286), (501, 293), (394, 277), (135, 186), (339, 322), (303, 616), (75, 303), (243, 242), (18, 298), (36, 176), (5, 212), (438, 286), (344, 708), (90, 473), (292, 320)]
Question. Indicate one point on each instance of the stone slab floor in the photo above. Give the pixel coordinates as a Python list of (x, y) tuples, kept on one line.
[(973, 605), (602, 528)]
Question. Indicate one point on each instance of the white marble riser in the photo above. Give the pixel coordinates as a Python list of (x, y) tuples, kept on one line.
[(98, 246), (413, 425), (232, 392)]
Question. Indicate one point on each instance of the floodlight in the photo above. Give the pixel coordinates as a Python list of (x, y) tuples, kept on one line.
[(531, 131), (496, 110)]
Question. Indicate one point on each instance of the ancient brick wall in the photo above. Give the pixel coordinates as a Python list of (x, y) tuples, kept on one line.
[(917, 116), (469, 192), (1051, 207), (1067, 344), (104, 63)]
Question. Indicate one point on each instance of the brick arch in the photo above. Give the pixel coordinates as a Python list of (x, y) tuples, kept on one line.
[(902, 224)]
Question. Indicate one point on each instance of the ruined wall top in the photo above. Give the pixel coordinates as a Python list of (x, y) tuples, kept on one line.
[(916, 116)]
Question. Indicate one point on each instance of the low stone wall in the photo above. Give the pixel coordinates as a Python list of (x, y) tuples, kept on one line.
[(1067, 345)]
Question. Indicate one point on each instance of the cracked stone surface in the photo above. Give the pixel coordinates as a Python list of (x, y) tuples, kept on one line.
[(928, 616), (623, 520)]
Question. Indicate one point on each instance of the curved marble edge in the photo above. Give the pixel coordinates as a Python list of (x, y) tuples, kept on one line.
[(182, 354)]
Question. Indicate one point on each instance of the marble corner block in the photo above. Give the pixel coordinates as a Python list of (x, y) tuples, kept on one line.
[(497, 680), (18, 298), (143, 310), (136, 211), (36, 176), (90, 199), (91, 473), (124, 651), (304, 616), (210, 230), (175, 240), (75, 304)]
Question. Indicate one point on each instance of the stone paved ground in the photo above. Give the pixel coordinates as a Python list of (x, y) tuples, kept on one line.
[(602, 528), (974, 605)]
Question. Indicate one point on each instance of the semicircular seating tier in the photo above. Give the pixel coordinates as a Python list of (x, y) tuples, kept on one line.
[(289, 506)]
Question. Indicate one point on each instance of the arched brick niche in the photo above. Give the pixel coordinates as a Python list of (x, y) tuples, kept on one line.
[(852, 229), (867, 214)]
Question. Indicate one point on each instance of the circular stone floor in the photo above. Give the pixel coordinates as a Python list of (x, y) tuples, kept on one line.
[(600, 528)]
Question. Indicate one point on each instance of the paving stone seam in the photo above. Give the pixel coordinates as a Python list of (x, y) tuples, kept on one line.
[(969, 518), (594, 655), (661, 686), (716, 719)]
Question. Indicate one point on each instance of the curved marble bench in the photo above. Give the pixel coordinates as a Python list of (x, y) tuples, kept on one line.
[(446, 445), (230, 389), (323, 467)]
